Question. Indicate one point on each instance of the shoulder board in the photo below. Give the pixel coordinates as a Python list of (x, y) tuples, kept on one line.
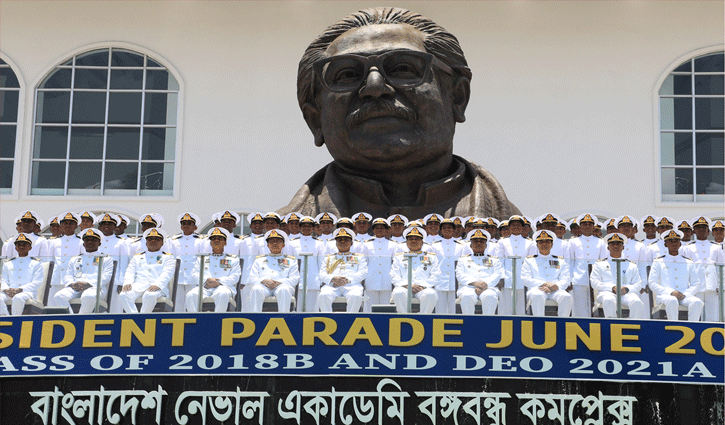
[(14, 258), (531, 256), (141, 253), (559, 257), (52, 237), (429, 253), (371, 240), (177, 236), (195, 235), (661, 256), (237, 236), (35, 258), (166, 253), (601, 259), (689, 243), (400, 253), (653, 243), (232, 256), (686, 258), (260, 256), (294, 238), (259, 236), (466, 256), (460, 242), (291, 256), (528, 239), (77, 236), (435, 242), (630, 261)]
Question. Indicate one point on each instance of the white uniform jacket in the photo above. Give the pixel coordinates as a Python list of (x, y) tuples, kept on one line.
[(426, 269), (63, 248), (448, 252), (281, 268), (150, 268), (22, 272), (674, 273), (380, 253), (84, 268), (223, 267), (583, 251), (604, 276), (117, 249), (514, 246), (351, 265), (479, 268), (540, 269), (185, 248)]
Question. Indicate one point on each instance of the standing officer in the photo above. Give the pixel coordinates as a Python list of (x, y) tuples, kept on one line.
[(305, 242), (185, 246), (513, 246), (379, 252), (362, 226), (584, 250), (448, 251), (118, 250)]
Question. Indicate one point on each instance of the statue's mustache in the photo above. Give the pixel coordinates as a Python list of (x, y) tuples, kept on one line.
[(379, 108)]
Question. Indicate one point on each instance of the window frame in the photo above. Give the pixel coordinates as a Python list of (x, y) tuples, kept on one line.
[(686, 200), (13, 193), (123, 193)]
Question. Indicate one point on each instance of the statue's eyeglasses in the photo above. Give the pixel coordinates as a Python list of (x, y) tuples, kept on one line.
[(400, 68)]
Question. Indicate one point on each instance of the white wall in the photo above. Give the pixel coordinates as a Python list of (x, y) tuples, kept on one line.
[(561, 109)]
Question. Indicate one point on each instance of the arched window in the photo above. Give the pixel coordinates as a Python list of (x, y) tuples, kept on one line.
[(692, 161), (105, 124), (9, 99)]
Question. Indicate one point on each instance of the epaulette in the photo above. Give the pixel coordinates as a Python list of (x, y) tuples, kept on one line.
[(237, 236), (77, 236), (291, 256), (428, 252), (460, 242), (138, 238), (601, 259), (400, 253), (294, 238), (177, 236), (260, 256), (652, 243), (52, 237), (689, 243), (558, 256), (35, 258), (531, 256), (141, 253), (661, 256), (166, 253), (232, 256), (686, 258), (259, 236), (467, 255)]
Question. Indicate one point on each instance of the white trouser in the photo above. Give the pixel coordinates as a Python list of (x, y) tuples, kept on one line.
[(505, 301), (694, 307), (181, 291), (428, 299), (116, 306), (375, 298), (18, 303), (259, 292), (582, 305), (711, 313), (538, 298), (489, 300), (310, 300), (608, 300), (446, 303), (644, 297), (221, 295), (353, 294), (245, 299), (88, 299), (128, 300), (51, 295)]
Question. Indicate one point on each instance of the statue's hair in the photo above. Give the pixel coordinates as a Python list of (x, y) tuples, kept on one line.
[(439, 42)]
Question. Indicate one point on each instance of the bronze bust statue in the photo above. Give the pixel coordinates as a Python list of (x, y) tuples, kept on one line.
[(383, 89)]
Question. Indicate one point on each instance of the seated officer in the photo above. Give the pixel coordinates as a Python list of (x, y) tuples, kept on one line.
[(21, 277), (220, 275), (426, 273), (546, 277), (478, 275), (342, 274), (148, 274), (81, 275), (274, 274), (604, 280), (64, 248), (674, 279)]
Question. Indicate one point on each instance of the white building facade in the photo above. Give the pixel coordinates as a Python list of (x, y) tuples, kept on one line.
[(131, 107)]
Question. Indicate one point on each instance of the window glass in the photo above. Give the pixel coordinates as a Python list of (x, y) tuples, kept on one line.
[(692, 157), (110, 131), (9, 101)]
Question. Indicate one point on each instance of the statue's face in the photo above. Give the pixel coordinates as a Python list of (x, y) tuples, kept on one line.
[(382, 139)]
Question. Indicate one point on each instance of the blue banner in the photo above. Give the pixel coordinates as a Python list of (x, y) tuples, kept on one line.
[(384, 345)]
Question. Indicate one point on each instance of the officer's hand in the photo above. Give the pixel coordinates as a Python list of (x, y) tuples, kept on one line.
[(126, 288), (338, 281), (417, 288), (154, 288), (480, 285), (211, 283), (679, 295)]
